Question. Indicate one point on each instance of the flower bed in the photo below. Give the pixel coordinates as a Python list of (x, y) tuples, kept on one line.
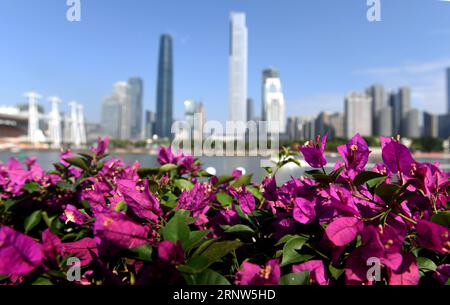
[(94, 220)]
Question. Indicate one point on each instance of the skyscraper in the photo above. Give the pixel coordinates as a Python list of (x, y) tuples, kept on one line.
[(358, 114), (376, 92), (116, 109), (136, 92), (448, 90), (400, 102), (411, 124), (385, 121), (238, 68), (164, 95), (273, 101), (149, 124), (430, 125)]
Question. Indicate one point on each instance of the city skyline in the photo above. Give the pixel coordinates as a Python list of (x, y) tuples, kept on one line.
[(316, 78)]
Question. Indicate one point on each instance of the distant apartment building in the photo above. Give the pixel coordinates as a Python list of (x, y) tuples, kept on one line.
[(411, 128), (385, 120), (378, 95), (273, 103), (136, 88), (358, 114), (116, 112), (430, 125)]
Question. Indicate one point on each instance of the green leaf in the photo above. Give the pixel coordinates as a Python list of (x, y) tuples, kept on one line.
[(322, 178), (147, 171), (33, 220), (442, 218), (206, 277), (177, 229), (243, 180), (285, 239), (224, 199), (239, 229), (78, 162), (255, 191), (386, 191), (196, 238), (224, 179), (31, 187), (121, 206), (335, 272), (210, 254), (42, 281), (295, 278), (290, 254), (169, 200), (363, 177), (168, 167), (426, 264), (143, 252), (184, 184), (373, 183)]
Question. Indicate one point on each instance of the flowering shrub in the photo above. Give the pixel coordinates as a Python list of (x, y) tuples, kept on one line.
[(176, 224)]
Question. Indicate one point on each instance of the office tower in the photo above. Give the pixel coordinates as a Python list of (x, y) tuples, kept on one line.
[(404, 97), (164, 95), (337, 126), (136, 92), (377, 93), (194, 114), (250, 109), (444, 126), (400, 102), (385, 121), (116, 109), (238, 68), (411, 124), (150, 119), (448, 90), (430, 125), (358, 115), (273, 101), (322, 123), (291, 128)]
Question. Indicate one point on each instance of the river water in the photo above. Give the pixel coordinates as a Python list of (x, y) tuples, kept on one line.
[(222, 165)]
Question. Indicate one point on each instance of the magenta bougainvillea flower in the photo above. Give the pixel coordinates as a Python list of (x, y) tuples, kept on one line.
[(252, 274), (120, 230), (316, 271), (102, 145), (134, 225), (433, 236), (196, 201), (313, 152), (396, 156), (343, 230), (355, 153), (139, 198), (19, 253), (170, 252)]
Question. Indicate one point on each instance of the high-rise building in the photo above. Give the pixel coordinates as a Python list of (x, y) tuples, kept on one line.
[(238, 68), (401, 103), (136, 92), (444, 126), (194, 113), (385, 121), (358, 114), (448, 90), (411, 128), (273, 101), (116, 109), (430, 125), (250, 109), (322, 123), (377, 93), (150, 119), (337, 125), (164, 95)]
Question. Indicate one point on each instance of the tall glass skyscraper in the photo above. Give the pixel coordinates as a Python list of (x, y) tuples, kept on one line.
[(238, 68), (136, 90), (164, 95), (448, 90)]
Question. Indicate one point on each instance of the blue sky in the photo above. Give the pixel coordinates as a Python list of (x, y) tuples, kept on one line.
[(322, 48)]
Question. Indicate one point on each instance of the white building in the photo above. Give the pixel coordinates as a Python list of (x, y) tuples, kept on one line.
[(273, 102), (238, 68), (358, 114)]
